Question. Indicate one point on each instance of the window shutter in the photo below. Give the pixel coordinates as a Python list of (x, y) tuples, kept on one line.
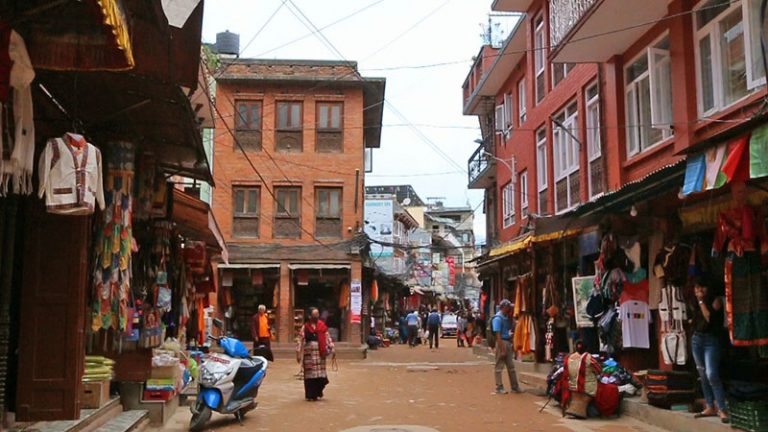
[(499, 119), (507, 111), (661, 88)]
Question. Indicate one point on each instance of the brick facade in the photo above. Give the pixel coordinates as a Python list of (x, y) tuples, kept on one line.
[(307, 83)]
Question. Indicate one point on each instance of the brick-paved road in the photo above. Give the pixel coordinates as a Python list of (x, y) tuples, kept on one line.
[(449, 390)]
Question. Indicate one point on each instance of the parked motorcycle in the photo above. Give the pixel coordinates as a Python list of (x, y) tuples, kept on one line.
[(229, 383)]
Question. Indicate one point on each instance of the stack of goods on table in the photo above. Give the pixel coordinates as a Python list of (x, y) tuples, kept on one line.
[(95, 389), (166, 377), (668, 388), (585, 387)]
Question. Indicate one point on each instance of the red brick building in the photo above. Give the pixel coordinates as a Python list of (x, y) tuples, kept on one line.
[(289, 171), (590, 109)]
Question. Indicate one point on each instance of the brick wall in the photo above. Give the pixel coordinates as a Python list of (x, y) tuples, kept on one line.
[(307, 169)]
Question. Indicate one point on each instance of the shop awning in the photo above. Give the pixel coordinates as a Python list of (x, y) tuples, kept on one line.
[(194, 220), (75, 35), (662, 180), (255, 266), (319, 266)]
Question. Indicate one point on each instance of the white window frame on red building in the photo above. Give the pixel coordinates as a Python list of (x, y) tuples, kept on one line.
[(748, 30), (566, 151), (521, 107), (539, 58), (593, 141), (524, 193), (651, 86), (541, 165), (508, 204)]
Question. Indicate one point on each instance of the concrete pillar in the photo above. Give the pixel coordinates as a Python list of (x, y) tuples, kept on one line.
[(285, 306)]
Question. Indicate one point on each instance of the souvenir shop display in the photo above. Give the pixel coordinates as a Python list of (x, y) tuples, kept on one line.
[(114, 243), (667, 388), (17, 135), (524, 339), (70, 176)]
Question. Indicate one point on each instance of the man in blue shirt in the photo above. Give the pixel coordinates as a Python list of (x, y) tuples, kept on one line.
[(413, 327), (501, 324), (433, 326)]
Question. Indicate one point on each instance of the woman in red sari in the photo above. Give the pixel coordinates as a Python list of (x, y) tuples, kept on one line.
[(315, 345)]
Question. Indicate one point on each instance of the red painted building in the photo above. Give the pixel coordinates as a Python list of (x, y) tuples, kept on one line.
[(586, 96), (589, 111)]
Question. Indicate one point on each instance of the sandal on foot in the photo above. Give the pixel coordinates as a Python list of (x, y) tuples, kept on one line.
[(703, 415)]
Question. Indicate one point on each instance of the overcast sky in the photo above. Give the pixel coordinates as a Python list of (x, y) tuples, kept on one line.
[(390, 33)]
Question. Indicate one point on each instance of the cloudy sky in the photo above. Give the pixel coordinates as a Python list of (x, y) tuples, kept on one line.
[(385, 37)]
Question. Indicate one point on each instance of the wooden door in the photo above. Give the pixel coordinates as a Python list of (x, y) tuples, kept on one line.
[(51, 346)]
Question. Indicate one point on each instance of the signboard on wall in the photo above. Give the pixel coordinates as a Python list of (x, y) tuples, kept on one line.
[(356, 301), (379, 218)]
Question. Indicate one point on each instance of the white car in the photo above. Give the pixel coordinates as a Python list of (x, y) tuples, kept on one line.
[(449, 326)]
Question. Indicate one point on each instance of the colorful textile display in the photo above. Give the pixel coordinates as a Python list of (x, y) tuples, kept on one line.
[(758, 153), (98, 368), (746, 301), (114, 243), (583, 373), (70, 176)]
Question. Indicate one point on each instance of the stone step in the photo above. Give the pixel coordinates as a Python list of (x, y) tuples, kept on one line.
[(128, 421), (90, 419), (536, 382)]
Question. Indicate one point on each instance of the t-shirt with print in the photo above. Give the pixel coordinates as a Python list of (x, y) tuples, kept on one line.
[(635, 317)]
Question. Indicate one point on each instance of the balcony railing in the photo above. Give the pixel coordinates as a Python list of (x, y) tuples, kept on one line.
[(563, 16), (478, 164)]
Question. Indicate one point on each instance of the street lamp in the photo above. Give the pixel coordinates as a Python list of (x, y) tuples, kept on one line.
[(489, 154)]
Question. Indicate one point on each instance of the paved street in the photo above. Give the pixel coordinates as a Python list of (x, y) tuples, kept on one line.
[(396, 389)]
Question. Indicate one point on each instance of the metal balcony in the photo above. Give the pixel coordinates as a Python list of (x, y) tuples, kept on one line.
[(581, 31), (481, 169), (564, 15)]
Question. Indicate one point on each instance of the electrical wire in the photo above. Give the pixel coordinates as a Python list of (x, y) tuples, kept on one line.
[(548, 47), (344, 18)]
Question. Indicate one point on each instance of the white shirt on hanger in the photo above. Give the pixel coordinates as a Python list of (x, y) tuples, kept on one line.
[(635, 317)]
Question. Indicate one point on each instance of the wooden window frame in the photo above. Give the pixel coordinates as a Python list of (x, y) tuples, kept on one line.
[(240, 210), (328, 129), (295, 131), (282, 213), (329, 216)]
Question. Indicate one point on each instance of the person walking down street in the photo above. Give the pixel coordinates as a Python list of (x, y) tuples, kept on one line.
[(470, 329), (433, 327), (314, 347), (260, 331), (461, 330), (707, 322), (403, 326), (413, 328), (501, 326)]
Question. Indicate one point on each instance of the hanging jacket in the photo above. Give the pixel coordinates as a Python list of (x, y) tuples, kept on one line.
[(70, 177)]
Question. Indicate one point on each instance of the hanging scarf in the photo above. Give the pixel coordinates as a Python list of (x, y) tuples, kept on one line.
[(321, 330)]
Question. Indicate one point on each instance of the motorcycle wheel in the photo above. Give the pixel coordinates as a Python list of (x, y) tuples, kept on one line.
[(200, 418)]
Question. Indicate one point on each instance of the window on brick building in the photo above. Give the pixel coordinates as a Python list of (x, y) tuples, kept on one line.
[(246, 202), (728, 53), (541, 169), (649, 98), (330, 136), (508, 204), (288, 137), (594, 149), (524, 193), (539, 57), (566, 152), (521, 107), (287, 222), (328, 212), (560, 71), (248, 125)]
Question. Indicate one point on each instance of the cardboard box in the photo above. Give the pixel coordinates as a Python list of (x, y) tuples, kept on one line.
[(165, 372), (94, 395)]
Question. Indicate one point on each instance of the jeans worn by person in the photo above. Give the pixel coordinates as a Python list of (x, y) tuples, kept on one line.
[(706, 353), (413, 333), (434, 336)]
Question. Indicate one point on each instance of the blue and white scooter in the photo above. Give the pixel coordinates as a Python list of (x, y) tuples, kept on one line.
[(229, 383)]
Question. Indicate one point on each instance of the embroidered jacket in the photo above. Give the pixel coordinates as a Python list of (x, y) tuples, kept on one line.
[(70, 176)]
